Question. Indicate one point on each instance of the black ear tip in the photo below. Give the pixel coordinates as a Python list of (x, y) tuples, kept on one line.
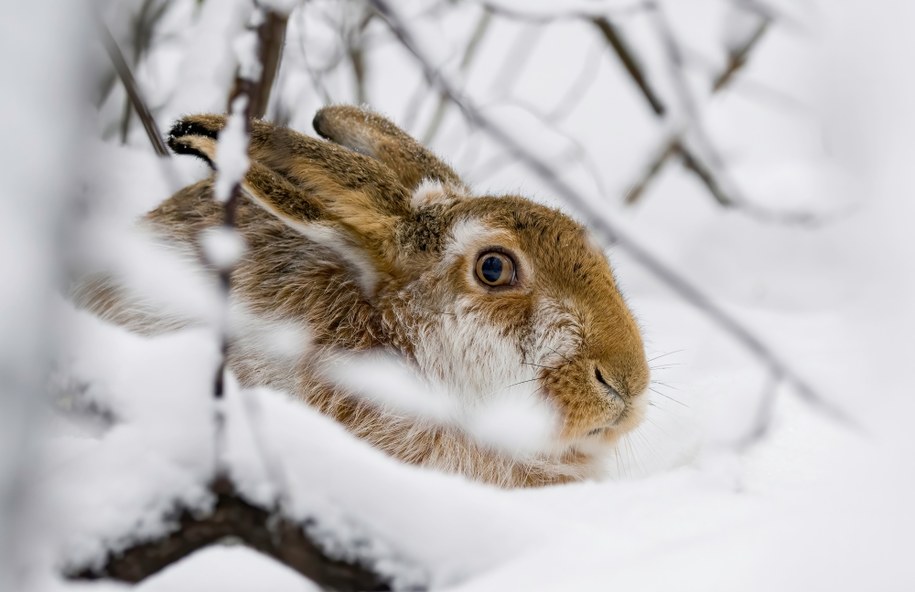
[(189, 127)]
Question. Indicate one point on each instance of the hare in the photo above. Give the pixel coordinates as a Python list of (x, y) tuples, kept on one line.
[(370, 242)]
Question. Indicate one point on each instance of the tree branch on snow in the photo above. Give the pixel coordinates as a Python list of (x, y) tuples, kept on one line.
[(601, 223), (233, 517), (248, 99)]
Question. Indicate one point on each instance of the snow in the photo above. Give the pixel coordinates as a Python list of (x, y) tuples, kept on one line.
[(223, 247), (815, 124), (232, 151)]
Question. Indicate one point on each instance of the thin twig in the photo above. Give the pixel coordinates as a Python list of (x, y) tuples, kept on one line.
[(704, 159), (630, 62), (601, 224), (272, 36), (762, 418), (673, 146), (476, 38), (354, 38), (564, 14), (628, 58), (133, 91), (737, 59)]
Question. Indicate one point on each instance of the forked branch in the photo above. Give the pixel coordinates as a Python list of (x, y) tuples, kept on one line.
[(673, 146)]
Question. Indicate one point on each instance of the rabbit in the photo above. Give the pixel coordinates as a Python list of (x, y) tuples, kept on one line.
[(372, 243)]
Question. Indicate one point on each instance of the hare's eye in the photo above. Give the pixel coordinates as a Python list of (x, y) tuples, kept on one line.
[(495, 269)]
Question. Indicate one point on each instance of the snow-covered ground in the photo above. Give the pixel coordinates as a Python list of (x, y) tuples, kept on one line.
[(820, 121)]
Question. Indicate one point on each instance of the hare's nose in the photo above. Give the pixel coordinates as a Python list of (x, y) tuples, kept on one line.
[(605, 386)]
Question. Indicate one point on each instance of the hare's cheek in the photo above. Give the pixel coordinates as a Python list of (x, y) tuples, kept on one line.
[(465, 350)]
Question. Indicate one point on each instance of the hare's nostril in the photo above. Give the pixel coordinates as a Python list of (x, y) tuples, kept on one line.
[(606, 385)]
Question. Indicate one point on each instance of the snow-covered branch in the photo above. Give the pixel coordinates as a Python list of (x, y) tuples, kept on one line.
[(265, 529)]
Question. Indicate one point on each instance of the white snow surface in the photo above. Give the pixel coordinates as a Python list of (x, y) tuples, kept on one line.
[(815, 123)]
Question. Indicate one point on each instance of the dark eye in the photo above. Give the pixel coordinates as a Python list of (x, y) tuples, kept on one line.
[(495, 269)]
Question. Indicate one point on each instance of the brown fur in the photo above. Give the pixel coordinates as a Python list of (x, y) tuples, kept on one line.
[(388, 272)]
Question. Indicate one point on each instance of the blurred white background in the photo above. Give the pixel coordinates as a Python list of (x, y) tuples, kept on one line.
[(809, 143)]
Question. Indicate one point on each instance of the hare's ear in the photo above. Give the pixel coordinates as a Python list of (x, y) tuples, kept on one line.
[(303, 180), (265, 187), (371, 134), (345, 182)]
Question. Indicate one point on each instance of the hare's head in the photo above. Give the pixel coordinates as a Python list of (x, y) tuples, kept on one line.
[(484, 294)]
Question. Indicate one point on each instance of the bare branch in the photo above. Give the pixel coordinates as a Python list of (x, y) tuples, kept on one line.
[(355, 51), (133, 91), (589, 11), (479, 32), (272, 36), (577, 90), (737, 59), (269, 532), (674, 146), (762, 419), (603, 227), (692, 162), (615, 39)]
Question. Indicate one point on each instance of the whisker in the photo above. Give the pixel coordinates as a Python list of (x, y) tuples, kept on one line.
[(665, 366), (522, 382), (540, 366), (559, 354), (657, 392), (658, 357), (670, 386), (657, 426)]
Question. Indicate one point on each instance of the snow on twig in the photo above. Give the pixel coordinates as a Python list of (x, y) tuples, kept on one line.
[(601, 223)]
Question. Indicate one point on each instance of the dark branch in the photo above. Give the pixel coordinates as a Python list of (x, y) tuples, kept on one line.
[(133, 91), (272, 35), (470, 52), (268, 532), (674, 146), (737, 59), (613, 37)]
